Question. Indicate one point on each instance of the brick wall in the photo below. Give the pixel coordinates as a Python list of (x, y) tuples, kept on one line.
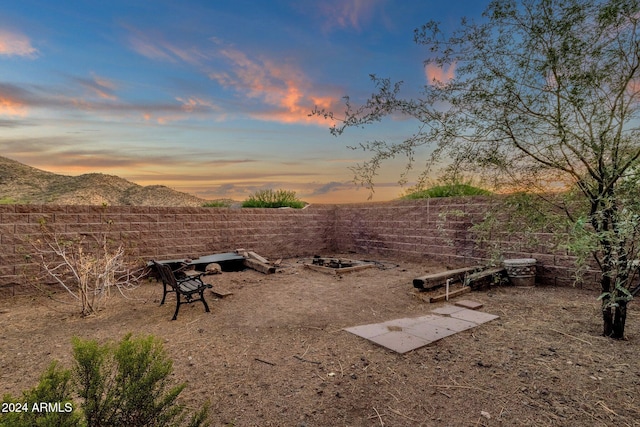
[(166, 233), (440, 228), (429, 228)]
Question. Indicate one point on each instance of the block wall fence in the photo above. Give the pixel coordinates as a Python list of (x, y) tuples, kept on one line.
[(421, 229)]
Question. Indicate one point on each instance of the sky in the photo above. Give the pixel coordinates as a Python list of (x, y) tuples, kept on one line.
[(210, 97)]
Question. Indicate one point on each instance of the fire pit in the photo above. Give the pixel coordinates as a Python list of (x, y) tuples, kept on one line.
[(337, 265)]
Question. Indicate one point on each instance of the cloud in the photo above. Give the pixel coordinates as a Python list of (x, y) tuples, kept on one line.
[(12, 100), (344, 14), (154, 46), (16, 44), (331, 187), (96, 95), (290, 94), (14, 123), (439, 75), (99, 86)]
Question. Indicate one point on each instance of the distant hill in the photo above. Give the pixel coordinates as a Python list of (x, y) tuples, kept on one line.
[(20, 183)]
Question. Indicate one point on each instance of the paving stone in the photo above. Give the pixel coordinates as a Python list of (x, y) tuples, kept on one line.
[(474, 316), (409, 333), (456, 325), (429, 332), (399, 341), (446, 309), (471, 305), (408, 322), (369, 331)]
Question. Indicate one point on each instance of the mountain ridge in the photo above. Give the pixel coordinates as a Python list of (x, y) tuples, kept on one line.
[(24, 184)]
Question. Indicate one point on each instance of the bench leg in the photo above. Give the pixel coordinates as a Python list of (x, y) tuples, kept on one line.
[(164, 292), (175, 315), (206, 306)]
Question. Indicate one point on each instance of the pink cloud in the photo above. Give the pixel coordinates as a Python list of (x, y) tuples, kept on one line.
[(99, 86), (16, 44), (11, 107), (348, 13), (281, 86), (439, 75)]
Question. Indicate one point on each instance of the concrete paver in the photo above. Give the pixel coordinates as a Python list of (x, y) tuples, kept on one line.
[(406, 334), (474, 316)]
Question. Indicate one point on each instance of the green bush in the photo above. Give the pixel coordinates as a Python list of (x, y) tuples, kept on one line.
[(117, 385), (273, 199), (448, 190), (54, 388), (217, 204)]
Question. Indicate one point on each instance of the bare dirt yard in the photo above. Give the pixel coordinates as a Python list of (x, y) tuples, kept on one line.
[(275, 353)]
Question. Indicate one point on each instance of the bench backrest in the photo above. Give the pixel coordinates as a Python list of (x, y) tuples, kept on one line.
[(166, 275)]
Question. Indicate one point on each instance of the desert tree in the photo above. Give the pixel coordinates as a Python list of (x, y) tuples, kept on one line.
[(540, 95)]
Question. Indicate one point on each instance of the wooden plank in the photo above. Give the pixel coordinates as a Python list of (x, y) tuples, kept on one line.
[(351, 269), (221, 294), (258, 257), (432, 281), (259, 266), (452, 294), (320, 268), (342, 270)]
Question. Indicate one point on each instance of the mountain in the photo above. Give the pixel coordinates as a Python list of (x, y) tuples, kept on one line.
[(20, 183)]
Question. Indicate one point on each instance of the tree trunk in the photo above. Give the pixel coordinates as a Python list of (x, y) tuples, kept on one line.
[(614, 319), (607, 320), (619, 319)]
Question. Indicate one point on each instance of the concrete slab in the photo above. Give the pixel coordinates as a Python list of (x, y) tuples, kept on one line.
[(369, 331), (409, 322), (451, 323), (429, 333), (399, 341), (471, 305), (409, 333), (446, 309), (478, 317), (405, 322)]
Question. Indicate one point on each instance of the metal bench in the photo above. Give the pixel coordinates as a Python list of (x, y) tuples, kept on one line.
[(189, 286)]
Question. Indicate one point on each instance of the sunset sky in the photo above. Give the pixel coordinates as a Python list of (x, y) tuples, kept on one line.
[(209, 97)]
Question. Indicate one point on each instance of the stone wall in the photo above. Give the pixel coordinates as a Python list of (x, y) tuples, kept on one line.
[(165, 233), (430, 228), (441, 228)]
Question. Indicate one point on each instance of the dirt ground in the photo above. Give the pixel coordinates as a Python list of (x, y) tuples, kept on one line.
[(274, 353)]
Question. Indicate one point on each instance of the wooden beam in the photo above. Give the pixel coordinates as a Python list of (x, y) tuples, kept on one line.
[(258, 257), (259, 266), (452, 294), (342, 270)]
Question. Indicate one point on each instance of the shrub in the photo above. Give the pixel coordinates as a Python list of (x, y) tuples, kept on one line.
[(273, 199), (217, 204), (55, 388), (448, 190), (88, 266), (118, 385)]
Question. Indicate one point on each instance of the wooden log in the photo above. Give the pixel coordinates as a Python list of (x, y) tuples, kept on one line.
[(259, 266), (257, 257), (432, 281), (477, 279), (452, 294)]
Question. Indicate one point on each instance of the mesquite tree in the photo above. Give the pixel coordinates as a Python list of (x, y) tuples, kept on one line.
[(540, 94)]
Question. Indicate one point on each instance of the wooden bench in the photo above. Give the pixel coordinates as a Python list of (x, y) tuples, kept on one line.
[(188, 286)]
